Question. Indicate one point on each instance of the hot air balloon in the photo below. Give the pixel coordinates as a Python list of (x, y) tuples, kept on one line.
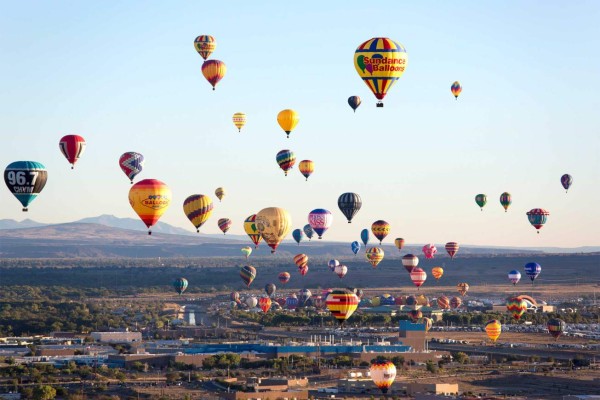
[(308, 231), (364, 236), (415, 315), (287, 120), (180, 284), (150, 198), (452, 249), (281, 301), (332, 264), (303, 296), (248, 273), (284, 277), (291, 302), (246, 250), (300, 260), (514, 276), (537, 217), (517, 306), (198, 208), (355, 246), (264, 303), (270, 289), (380, 62), (239, 120), (455, 302), (374, 255), (556, 327), (224, 224), (25, 180), (428, 322), (410, 261), (383, 373), (359, 293), (251, 301), (274, 224), (205, 45), (306, 167), (303, 270), (399, 243), (380, 229), (298, 235), (341, 304), (131, 164), (566, 181), (429, 250), (286, 160), (443, 302), (251, 230), (418, 276), (354, 102), (320, 220), (72, 147), (349, 204), (456, 89), (462, 288), (505, 200), (220, 193), (437, 272), (341, 270), (493, 329), (481, 200), (235, 296), (532, 270), (213, 71)]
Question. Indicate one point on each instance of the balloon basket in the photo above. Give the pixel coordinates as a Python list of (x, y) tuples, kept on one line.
[(379, 105)]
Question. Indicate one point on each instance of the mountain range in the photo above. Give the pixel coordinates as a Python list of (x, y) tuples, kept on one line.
[(110, 236)]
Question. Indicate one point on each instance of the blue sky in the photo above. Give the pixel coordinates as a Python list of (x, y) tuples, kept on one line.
[(127, 78)]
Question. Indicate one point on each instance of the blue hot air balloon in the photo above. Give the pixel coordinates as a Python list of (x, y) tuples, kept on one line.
[(298, 235), (532, 270), (355, 247), (364, 236), (354, 102), (308, 230)]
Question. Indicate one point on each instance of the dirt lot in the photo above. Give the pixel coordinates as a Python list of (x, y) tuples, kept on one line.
[(507, 337)]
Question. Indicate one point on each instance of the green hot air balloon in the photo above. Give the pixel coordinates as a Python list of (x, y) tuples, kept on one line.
[(481, 200), (180, 284)]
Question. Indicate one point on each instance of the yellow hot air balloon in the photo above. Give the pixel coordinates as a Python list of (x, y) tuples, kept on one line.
[(274, 224), (306, 167), (150, 198), (437, 272), (380, 62), (220, 193), (251, 230), (493, 329), (374, 255), (288, 119), (198, 208), (239, 120)]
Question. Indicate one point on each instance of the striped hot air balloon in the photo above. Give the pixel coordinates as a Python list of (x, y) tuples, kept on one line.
[(251, 230), (493, 329), (284, 277), (374, 255), (481, 200), (180, 284), (306, 167), (556, 327), (300, 260), (462, 288), (342, 303), (399, 243), (514, 276), (205, 45), (286, 160), (150, 198), (239, 120), (455, 302), (443, 302), (72, 147), (418, 276), (235, 296), (213, 71), (428, 322), (456, 88), (248, 273), (505, 200), (452, 249), (198, 208), (224, 224), (303, 270), (437, 272), (349, 204), (380, 229), (220, 193), (410, 261)]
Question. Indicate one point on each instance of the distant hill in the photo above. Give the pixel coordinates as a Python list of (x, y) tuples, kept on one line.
[(108, 236)]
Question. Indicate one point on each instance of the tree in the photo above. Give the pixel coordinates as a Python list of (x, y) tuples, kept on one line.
[(44, 392), (460, 357)]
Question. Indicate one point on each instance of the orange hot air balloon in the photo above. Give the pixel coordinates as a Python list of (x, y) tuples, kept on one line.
[(301, 260), (213, 71), (264, 303), (493, 329), (288, 119), (150, 198), (399, 242), (437, 272), (383, 373), (306, 167)]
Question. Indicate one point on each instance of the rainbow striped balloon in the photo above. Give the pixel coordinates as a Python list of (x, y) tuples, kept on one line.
[(342, 303)]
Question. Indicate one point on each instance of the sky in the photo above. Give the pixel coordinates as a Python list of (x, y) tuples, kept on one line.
[(126, 77)]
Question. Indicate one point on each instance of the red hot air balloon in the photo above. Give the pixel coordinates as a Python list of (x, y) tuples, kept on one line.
[(301, 260), (429, 250), (410, 261), (418, 276), (452, 249), (284, 277), (455, 302), (72, 147), (213, 71)]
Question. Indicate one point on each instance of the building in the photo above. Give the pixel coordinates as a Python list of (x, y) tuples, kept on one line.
[(117, 337), (279, 395), (412, 334), (444, 389)]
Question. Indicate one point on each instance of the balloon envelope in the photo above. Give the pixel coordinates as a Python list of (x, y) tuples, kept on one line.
[(180, 284), (380, 229), (287, 120), (224, 224), (456, 89), (566, 181), (320, 220), (493, 329), (213, 71), (383, 373), (364, 236), (556, 327), (410, 261), (274, 224), (452, 249), (72, 147), (354, 102), (251, 230), (355, 246), (374, 255), (306, 167), (131, 164), (514, 276), (248, 273), (532, 270), (150, 198), (349, 204), (286, 160), (198, 208), (284, 277), (481, 200), (342, 303), (25, 180), (308, 231), (437, 272), (505, 200), (429, 250), (239, 120), (418, 276), (298, 235), (205, 45), (537, 217)]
